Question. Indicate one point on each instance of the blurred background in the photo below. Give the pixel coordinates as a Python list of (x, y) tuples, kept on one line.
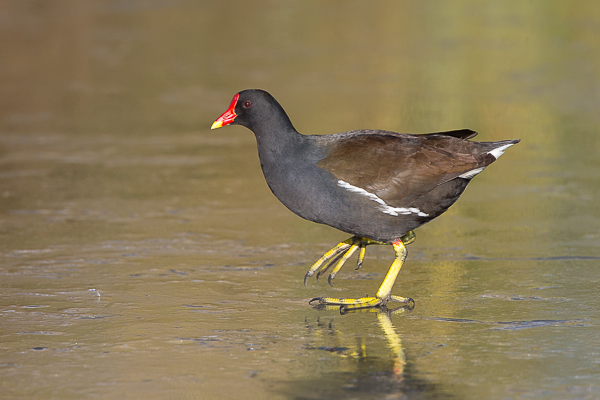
[(143, 254)]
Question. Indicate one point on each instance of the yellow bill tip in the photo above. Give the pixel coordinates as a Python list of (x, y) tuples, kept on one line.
[(228, 116)]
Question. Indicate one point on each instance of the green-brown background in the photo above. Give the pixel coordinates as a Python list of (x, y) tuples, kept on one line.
[(143, 256)]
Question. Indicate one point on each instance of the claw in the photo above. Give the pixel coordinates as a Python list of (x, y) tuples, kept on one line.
[(314, 299), (361, 255)]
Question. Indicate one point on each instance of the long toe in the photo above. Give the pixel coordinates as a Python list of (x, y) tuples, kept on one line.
[(342, 261), (333, 253), (329, 265), (404, 300)]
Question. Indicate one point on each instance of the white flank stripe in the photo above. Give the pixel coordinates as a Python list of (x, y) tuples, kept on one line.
[(471, 173), (498, 151), (395, 211)]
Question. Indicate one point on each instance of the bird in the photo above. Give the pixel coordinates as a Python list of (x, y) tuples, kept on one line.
[(376, 185)]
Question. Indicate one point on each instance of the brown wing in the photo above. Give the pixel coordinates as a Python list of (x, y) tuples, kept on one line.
[(400, 168)]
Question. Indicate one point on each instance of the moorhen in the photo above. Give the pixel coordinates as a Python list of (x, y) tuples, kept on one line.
[(376, 185)]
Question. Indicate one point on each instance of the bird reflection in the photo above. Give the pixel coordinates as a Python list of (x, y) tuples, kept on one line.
[(394, 341), (350, 356), (365, 366), (364, 360)]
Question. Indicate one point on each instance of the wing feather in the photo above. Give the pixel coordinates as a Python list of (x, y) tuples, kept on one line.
[(400, 168)]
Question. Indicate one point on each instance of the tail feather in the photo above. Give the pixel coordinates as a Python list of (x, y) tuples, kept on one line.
[(502, 146)]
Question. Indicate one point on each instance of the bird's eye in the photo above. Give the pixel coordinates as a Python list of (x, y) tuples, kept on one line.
[(247, 104)]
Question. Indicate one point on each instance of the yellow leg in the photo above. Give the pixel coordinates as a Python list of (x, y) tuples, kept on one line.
[(349, 246), (386, 286)]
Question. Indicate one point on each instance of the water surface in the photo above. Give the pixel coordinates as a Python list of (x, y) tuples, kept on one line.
[(143, 256)]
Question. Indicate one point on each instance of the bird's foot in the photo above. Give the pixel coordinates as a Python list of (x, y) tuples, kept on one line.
[(338, 256), (343, 251), (363, 302)]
